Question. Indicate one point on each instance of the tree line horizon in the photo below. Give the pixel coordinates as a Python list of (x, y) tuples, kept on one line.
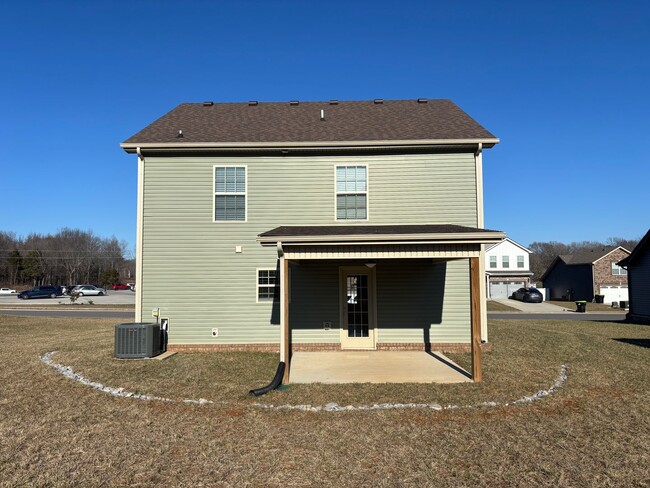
[(67, 257)]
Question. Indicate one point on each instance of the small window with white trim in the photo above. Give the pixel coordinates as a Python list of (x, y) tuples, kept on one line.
[(493, 261), (229, 193), (617, 270), (505, 261), (520, 261), (351, 193), (268, 285)]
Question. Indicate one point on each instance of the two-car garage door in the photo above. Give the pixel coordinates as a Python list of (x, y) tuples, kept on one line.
[(614, 293), (503, 289)]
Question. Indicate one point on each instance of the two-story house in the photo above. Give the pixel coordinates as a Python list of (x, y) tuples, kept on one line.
[(585, 274), (507, 268), (313, 226)]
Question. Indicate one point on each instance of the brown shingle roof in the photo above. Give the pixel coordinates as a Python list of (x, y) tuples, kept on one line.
[(588, 256), (350, 230), (370, 234), (277, 122)]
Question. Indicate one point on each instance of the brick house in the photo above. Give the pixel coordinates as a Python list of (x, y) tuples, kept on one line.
[(583, 275)]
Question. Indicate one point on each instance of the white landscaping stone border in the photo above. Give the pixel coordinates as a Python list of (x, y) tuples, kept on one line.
[(68, 372), (335, 407)]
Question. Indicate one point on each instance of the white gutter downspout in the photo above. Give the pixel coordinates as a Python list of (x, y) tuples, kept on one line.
[(480, 223), (138, 238)]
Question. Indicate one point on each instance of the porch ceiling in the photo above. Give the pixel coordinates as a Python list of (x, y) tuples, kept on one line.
[(375, 367)]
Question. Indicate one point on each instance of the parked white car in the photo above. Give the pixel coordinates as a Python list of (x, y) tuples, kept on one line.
[(6, 291), (88, 290)]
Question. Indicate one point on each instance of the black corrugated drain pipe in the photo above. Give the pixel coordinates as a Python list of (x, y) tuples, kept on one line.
[(277, 381)]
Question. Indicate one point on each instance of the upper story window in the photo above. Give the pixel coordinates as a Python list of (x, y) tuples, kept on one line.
[(505, 261), (493, 261), (229, 193), (351, 192), (617, 270), (520, 261)]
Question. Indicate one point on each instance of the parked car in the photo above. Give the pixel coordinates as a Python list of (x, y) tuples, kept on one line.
[(6, 291), (41, 292), (120, 286), (89, 290), (530, 295)]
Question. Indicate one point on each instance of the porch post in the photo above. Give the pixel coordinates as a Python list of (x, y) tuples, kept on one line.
[(285, 337), (475, 292)]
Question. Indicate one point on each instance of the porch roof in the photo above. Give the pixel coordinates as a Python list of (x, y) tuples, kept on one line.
[(379, 234)]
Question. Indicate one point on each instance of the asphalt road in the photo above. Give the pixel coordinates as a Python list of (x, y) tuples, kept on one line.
[(114, 297)]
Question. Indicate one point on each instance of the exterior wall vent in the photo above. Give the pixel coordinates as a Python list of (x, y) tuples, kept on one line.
[(137, 340)]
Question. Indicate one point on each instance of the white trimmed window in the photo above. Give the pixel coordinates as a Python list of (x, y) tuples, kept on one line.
[(351, 193), (229, 193), (520, 261), (617, 270), (268, 285), (505, 261), (493, 261)]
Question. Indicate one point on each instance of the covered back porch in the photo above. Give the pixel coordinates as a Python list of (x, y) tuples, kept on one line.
[(389, 285)]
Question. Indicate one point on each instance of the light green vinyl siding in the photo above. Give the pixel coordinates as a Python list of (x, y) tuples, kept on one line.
[(420, 299), (190, 268)]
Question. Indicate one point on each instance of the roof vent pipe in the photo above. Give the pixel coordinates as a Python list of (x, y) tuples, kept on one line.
[(180, 134), (322, 115)]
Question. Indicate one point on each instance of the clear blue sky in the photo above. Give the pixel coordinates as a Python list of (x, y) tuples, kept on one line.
[(565, 85)]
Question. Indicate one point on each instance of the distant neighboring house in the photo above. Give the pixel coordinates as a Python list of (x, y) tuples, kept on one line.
[(507, 268), (583, 275), (638, 277)]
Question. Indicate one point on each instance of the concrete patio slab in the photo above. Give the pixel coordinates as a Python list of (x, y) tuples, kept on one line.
[(375, 367)]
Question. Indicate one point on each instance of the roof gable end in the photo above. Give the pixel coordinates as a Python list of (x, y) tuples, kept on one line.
[(511, 242)]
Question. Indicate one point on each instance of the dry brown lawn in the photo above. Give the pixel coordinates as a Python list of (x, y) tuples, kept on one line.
[(595, 431), (493, 306)]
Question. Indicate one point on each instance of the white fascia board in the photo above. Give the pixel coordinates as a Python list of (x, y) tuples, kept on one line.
[(131, 147)]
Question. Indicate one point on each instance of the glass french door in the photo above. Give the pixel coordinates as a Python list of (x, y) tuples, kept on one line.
[(357, 308)]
